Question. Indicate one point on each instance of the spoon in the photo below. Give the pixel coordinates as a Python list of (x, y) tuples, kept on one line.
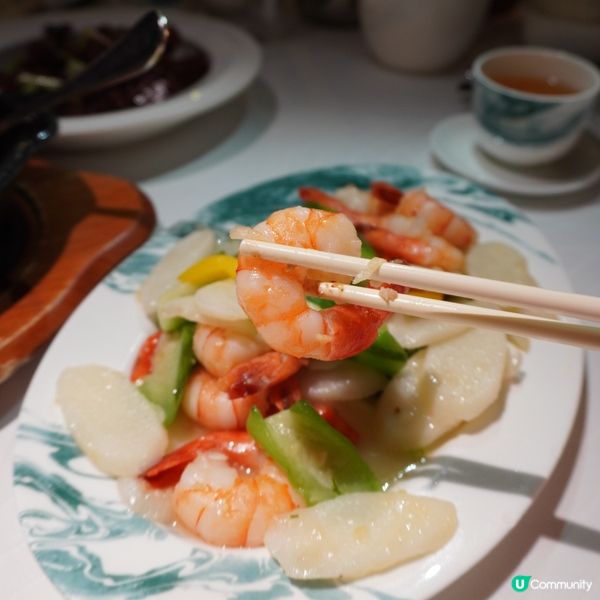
[(21, 141), (132, 55)]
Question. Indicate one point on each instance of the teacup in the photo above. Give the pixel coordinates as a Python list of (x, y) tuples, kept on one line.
[(532, 104)]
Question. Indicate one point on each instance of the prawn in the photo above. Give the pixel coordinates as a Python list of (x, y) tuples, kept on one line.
[(273, 295), (395, 236), (226, 490), (225, 402), (439, 219), (220, 350), (426, 252)]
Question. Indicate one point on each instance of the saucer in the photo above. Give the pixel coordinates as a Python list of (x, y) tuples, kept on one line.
[(453, 142)]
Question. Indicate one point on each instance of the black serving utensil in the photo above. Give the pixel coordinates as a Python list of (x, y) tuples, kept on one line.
[(132, 55), (22, 140)]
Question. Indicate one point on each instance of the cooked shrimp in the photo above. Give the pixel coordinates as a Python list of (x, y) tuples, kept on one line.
[(439, 218), (394, 235), (227, 490), (273, 295), (225, 402), (430, 252), (220, 350)]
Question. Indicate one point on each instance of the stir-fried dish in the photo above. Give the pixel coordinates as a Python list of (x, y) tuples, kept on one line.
[(62, 52), (259, 414)]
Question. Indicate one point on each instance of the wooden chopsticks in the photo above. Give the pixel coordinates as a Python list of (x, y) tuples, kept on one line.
[(497, 292)]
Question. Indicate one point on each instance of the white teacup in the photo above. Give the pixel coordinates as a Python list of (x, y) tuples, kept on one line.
[(532, 104), (420, 35)]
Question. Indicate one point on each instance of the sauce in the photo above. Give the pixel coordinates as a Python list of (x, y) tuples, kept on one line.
[(389, 466)]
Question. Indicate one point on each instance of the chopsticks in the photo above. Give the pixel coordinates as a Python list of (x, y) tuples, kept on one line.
[(498, 292)]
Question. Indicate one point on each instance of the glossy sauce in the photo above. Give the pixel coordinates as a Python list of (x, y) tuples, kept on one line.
[(389, 466), (550, 86)]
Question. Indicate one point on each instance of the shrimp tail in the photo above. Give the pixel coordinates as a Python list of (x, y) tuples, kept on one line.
[(261, 373), (284, 394), (310, 195), (167, 472), (353, 327), (386, 193)]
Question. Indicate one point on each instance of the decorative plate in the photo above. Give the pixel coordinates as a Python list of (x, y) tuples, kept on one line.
[(235, 59), (90, 545)]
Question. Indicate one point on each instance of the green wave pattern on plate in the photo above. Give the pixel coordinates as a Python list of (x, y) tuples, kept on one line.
[(77, 536), (254, 204)]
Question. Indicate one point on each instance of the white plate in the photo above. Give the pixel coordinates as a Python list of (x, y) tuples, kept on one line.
[(89, 545), (234, 63), (453, 142)]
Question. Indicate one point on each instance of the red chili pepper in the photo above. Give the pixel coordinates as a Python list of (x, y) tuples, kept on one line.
[(143, 362)]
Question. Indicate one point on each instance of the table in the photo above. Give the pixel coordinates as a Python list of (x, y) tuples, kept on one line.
[(320, 100)]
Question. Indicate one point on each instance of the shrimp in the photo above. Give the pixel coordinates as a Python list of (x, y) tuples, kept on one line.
[(439, 218), (426, 252), (220, 350), (273, 295), (226, 490), (225, 402), (414, 214)]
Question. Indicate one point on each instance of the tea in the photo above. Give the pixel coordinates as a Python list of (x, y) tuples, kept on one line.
[(550, 86)]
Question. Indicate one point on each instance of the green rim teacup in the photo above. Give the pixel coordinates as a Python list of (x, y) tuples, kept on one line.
[(528, 128)]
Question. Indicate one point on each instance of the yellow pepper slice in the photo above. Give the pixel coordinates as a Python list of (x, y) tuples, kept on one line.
[(425, 294), (209, 269)]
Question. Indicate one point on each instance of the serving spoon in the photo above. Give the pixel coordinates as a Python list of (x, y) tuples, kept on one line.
[(30, 123), (133, 54)]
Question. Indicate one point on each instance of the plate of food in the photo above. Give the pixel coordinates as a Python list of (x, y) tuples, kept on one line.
[(206, 63), (204, 424)]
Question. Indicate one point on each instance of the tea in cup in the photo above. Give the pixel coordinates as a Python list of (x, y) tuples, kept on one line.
[(532, 104)]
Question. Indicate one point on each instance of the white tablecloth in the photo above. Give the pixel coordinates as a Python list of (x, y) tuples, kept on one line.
[(320, 100)]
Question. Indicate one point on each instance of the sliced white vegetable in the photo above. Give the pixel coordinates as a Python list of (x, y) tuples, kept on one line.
[(495, 260), (441, 387), (514, 359), (185, 253), (213, 304), (414, 332), (218, 301), (112, 423), (355, 535), (347, 380)]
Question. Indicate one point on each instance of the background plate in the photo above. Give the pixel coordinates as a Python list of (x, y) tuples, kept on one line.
[(87, 542), (235, 61)]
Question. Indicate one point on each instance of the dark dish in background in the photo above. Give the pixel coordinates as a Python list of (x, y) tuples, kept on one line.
[(61, 52)]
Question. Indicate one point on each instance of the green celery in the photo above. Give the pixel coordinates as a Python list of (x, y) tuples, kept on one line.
[(321, 303), (171, 365), (318, 460), (388, 366), (366, 250), (385, 354), (318, 206), (386, 344)]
